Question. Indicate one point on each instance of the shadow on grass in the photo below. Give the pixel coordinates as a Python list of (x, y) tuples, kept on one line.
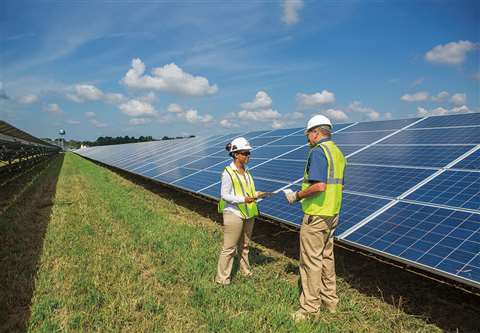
[(22, 229), (449, 308)]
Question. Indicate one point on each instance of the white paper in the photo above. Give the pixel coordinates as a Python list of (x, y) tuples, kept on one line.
[(287, 191)]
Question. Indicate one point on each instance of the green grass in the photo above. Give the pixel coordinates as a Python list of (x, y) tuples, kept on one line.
[(117, 257)]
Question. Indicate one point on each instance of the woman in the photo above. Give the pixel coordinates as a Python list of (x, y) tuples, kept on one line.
[(239, 209)]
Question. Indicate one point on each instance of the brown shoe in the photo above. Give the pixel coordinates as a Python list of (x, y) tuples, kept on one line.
[(299, 315)]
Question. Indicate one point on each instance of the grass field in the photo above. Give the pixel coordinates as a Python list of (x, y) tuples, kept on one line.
[(88, 250)]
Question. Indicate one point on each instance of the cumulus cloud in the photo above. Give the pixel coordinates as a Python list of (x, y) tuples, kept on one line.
[(261, 101), (459, 99), (258, 115), (336, 115), (193, 117), (453, 53), (174, 108), (72, 122), (137, 108), (290, 11), (53, 109), (169, 78), (417, 97), (316, 99), (81, 93), (138, 121), (440, 96), (370, 113), (28, 99), (226, 123), (90, 114), (440, 111)]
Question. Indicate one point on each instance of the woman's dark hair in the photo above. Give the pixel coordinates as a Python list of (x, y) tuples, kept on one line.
[(228, 147)]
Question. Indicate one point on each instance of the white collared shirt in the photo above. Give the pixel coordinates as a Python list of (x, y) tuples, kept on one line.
[(228, 192)]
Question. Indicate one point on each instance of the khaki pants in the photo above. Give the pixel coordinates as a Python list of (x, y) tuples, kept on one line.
[(317, 264), (236, 236)]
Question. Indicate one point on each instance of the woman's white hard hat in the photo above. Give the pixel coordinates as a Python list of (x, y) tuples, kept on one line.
[(240, 144), (318, 120)]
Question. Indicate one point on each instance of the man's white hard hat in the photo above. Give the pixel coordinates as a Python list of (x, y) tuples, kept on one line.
[(318, 120), (240, 144)]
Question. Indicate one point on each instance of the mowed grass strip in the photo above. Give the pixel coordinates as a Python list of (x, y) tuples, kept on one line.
[(119, 258)]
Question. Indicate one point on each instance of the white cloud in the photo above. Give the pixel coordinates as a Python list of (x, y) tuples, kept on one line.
[(225, 123), (459, 99), (290, 11), (53, 109), (278, 124), (452, 53), (81, 93), (97, 123), (294, 115), (137, 108), (388, 116), (174, 108), (28, 99), (138, 121), (193, 117), (169, 78), (261, 101), (417, 97), (440, 96), (371, 114), (259, 115), (337, 115), (316, 99), (90, 114), (440, 111), (72, 122)]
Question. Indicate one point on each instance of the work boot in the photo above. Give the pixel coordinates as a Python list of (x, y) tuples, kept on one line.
[(299, 315)]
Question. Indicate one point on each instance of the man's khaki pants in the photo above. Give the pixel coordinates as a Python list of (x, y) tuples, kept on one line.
[(236, 235), (317, 264)]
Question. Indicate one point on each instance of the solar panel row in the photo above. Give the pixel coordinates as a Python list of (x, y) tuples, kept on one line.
[(408, 182)]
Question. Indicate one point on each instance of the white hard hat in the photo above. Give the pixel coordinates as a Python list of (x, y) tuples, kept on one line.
[(240, 144), (318, 120)]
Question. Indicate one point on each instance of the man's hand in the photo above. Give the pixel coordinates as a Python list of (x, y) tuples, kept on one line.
[(291, 196), (249, 200)]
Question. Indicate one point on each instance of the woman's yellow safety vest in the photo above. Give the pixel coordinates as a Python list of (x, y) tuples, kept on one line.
[(240, 187), (326, 203)]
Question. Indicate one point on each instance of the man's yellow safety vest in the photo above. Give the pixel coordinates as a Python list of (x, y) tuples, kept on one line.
[(241, 187), (326, 203)]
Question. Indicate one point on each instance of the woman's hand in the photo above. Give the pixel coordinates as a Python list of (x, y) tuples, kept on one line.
[(249, 200)]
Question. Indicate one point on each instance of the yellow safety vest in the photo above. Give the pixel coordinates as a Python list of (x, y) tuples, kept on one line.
[(326, 203), (240, 187)]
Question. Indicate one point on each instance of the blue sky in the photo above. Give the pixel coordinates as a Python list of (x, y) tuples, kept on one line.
[(208, 67)]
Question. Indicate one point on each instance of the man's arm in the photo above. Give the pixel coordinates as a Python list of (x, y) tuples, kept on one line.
[(313, 189)]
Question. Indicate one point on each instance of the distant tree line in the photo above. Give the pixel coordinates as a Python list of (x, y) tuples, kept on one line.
[(108, 140)]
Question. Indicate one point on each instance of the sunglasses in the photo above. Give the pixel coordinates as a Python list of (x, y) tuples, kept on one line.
[(244, 153)]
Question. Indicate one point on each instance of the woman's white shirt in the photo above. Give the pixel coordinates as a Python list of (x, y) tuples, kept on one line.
[(228, 192)]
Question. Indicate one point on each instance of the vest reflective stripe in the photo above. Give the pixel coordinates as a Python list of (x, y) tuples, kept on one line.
[(326, 203), (244, 188)]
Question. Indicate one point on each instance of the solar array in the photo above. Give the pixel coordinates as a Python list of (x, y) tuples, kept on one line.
[(412, 186)]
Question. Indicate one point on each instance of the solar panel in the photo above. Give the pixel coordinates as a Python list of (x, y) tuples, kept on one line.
[(451, 188), (426, 156), (439, 239), (411, 185), (464, 135), (467, 119)]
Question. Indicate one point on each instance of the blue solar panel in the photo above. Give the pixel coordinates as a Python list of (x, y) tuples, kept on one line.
[(359, 138), (385, 181), (297, 154), (451, 188), (466, 135), (287, 171), (293, 140), (347, 150), (271, 151), (198, 180), (285, 131), (443, 239), (251, 135), (221, 166), (471, 162), (381, 125), (174, 175), (452, 120), (427, 156), (207, 162), (278, 207), (263, 141)]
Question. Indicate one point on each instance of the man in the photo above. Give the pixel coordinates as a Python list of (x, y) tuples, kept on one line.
[(321, 198)]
